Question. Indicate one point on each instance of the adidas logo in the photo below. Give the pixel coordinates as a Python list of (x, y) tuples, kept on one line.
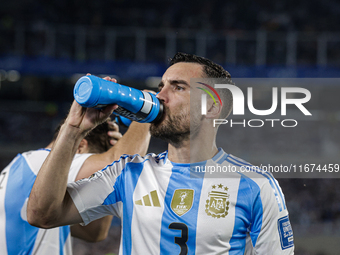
[(146, 200)]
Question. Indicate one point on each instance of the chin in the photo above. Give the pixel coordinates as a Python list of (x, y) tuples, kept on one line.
[(159, 124), (156, 129)]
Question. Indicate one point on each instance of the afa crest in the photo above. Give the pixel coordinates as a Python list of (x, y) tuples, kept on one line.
[(217, 205)]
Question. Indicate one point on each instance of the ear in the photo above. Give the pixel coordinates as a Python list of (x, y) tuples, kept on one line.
[(83, 147), (213, 110)]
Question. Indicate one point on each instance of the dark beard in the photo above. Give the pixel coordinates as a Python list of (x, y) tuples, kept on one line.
[(173, 129)]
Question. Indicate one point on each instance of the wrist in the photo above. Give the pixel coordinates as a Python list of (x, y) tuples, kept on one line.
[(72, 133)]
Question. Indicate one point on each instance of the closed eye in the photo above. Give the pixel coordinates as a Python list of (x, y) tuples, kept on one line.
[(177, 87), (160, 86)]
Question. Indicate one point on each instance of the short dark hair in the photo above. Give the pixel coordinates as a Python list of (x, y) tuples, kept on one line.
[(98, 139), (210, 70)]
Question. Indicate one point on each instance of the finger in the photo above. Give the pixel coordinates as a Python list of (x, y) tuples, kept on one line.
[(114, 135), (109, 108), (106, 112), (150, 91), (108, 78), (113, 126), (113, 142)]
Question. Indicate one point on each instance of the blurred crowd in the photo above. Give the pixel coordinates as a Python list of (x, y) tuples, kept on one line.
[(277, 15)]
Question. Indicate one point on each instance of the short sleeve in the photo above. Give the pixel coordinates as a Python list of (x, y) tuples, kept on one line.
[(77, 163), (90, 194), (270, 232)]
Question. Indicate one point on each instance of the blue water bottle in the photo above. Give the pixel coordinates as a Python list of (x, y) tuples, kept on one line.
[(134, 104), (122, 121)]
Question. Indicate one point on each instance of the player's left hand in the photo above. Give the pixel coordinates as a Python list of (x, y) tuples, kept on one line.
[(114, 133)]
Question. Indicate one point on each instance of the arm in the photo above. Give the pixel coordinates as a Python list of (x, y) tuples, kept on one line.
[(271, 231), (137, 132), (49, 204)]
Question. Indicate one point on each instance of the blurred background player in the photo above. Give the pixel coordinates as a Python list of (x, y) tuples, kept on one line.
[(93, 153)]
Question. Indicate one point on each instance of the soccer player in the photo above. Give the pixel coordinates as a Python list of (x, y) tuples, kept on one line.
[(93, 153), (167, 208)]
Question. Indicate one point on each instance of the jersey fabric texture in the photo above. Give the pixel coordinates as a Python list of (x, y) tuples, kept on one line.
[(167, 208), (17, 236)]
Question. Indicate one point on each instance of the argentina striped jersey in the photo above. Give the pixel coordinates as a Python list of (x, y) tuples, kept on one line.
[(17, 236), (171, 208)]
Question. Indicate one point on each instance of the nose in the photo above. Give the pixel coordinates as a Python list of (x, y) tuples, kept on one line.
[(163, 95)]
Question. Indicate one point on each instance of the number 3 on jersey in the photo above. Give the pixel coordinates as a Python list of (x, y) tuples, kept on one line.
[(181, 241)]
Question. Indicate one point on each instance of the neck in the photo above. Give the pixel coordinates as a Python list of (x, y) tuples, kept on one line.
[(198, 149)]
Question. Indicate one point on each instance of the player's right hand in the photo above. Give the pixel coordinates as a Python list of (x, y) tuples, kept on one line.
[(85, 119)]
